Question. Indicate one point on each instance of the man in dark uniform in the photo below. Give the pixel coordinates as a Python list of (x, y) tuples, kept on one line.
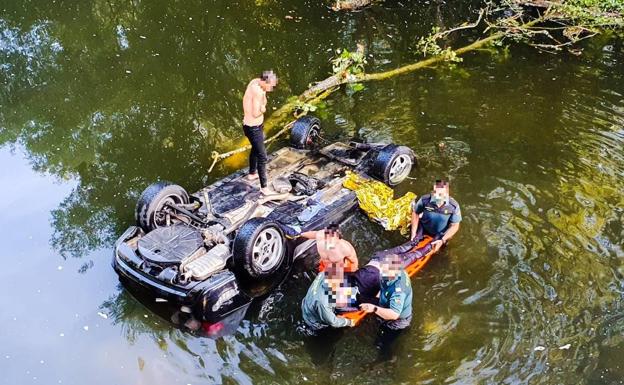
[(436, 214)]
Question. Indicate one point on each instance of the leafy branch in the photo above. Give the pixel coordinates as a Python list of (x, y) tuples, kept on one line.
[(558, 25), (348, 62)]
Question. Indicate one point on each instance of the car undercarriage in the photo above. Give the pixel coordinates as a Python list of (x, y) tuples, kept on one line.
[(213, 251)]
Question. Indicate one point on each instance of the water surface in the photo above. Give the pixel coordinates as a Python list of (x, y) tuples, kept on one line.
[(99, 99)]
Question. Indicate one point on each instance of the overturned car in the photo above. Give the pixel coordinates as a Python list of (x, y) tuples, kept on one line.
[(213, 251)]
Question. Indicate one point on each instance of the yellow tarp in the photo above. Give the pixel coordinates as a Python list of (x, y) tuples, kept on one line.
[(377, 200)]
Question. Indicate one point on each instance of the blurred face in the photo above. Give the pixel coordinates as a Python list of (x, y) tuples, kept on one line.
[(270, 83), (334, 275), (340, 292), (331, 239), (391, 268), (440, 195), (345, 295)]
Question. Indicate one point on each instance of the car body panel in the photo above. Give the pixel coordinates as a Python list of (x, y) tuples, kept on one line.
[(231, 201)]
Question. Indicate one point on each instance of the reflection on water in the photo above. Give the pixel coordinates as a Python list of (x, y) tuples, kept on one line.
[(105, 97)]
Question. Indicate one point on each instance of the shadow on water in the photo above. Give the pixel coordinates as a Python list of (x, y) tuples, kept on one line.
[(111, 96), (122, 309), (120, 95)]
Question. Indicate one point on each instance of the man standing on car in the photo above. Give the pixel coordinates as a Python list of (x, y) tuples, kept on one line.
[(437, 214), (254, 107)]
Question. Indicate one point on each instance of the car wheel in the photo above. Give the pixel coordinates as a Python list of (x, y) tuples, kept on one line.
[(149, 210), (261, 259), (305, 132), (393, 164)]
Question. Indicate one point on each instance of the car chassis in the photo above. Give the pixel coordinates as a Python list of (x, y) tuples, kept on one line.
[(213, 251)]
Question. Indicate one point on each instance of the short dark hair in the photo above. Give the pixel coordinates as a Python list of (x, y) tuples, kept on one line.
[(441, 183), (267, 75), (333, 228)]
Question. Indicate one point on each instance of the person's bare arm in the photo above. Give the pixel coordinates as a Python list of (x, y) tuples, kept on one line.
[(415, 220), (387, 314), (309, 234), (450, 232)]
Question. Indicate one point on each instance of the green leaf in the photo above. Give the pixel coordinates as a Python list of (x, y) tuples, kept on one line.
[(352, 88)]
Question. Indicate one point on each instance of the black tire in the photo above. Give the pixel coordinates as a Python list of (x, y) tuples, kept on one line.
[(151, 202), (304, 132), (382, 167), (258, 274)]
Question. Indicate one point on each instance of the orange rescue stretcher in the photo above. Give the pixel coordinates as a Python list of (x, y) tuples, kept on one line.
[(411, 270)]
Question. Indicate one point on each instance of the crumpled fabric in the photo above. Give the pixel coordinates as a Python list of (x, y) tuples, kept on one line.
[(377, 200)]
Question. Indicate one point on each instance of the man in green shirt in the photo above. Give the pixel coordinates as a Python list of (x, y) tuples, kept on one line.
[(320, 302), (395, 301)]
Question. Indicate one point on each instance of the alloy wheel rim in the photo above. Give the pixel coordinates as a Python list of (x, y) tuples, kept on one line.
[(400, 168), (268, 249)]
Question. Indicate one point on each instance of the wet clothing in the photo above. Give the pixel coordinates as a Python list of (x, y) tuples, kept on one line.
[(317, 307), (368, 279), (386, 338), (258, 155), (321, 344), (397, 296), (407, 251), (436, 220)]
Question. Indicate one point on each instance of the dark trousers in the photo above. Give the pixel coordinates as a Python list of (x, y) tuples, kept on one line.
[(258, 155), (367, 278), (388, 333), (405, 250), (321, 344)]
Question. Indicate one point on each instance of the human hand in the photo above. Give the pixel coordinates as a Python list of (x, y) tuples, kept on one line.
[(436, 245), (352, 323), (367, 307)]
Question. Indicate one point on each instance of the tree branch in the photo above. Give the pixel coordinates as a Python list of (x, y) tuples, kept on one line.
[(509, 27)]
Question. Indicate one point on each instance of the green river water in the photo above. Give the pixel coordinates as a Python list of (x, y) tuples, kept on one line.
[(101, 98)]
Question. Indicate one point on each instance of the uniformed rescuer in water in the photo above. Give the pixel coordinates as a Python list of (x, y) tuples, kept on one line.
[(395, 297), (326, 293), (394, 308), (254, 107), (437, 214)]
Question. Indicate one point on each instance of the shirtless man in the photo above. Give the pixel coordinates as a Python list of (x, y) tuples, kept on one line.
[(254, 107), (333, 249)]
